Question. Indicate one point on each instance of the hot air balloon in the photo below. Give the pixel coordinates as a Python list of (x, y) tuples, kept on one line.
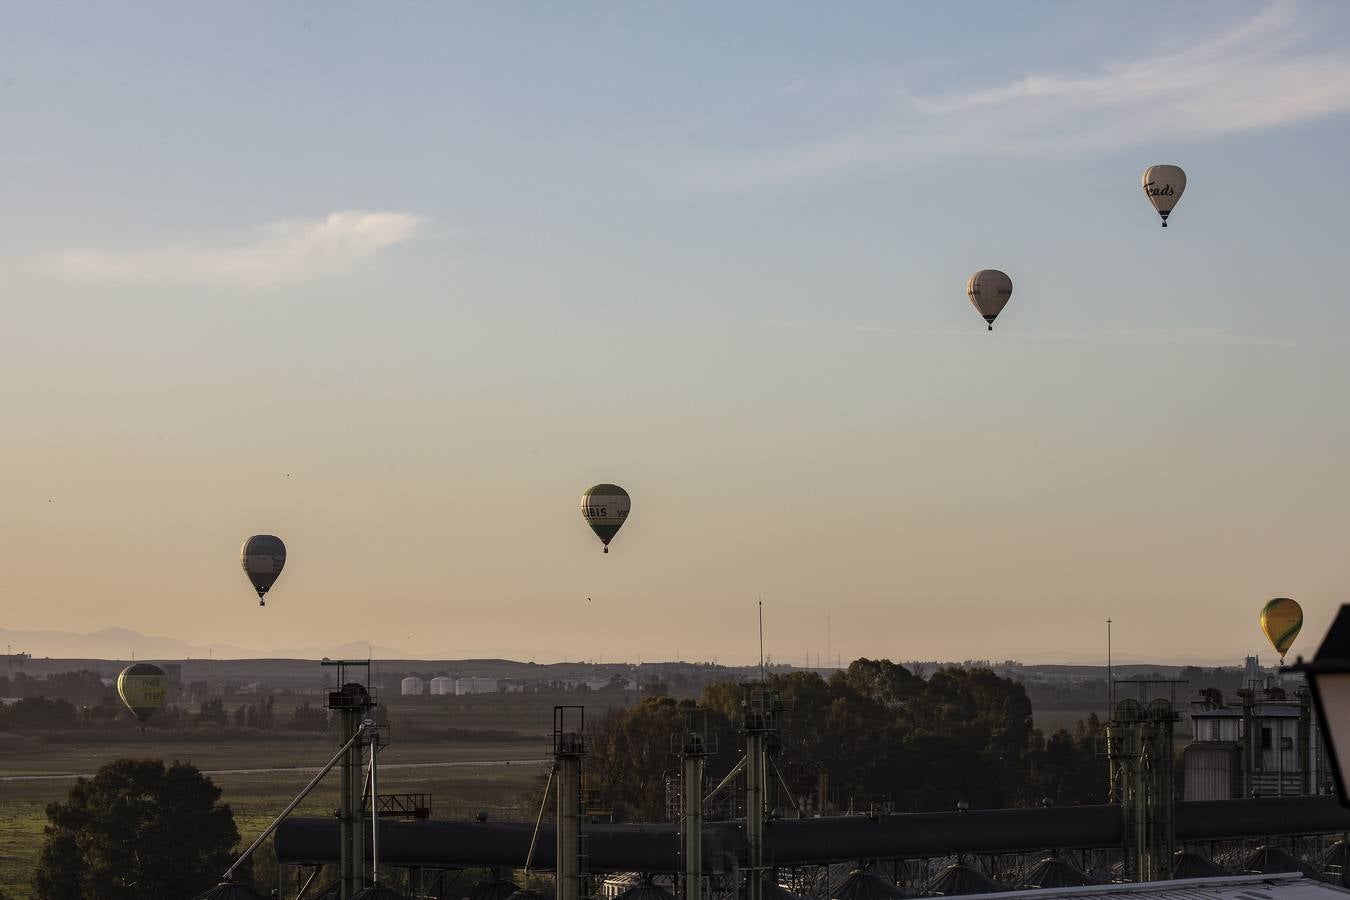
[(1281, 620), (605, 508), (1163, 186), (263, 557), (989, 290), (142, 688)]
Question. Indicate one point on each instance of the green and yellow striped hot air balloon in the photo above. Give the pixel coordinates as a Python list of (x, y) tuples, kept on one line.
[(1281, 620), (143, 688)]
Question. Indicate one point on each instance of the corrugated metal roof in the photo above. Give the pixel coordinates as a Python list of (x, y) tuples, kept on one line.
[(1291, 886)]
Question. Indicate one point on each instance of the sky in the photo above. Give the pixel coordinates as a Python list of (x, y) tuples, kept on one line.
[(398, 282)]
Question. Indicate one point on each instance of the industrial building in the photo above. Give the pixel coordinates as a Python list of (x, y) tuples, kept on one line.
[(1263, 743), (1265, 848)]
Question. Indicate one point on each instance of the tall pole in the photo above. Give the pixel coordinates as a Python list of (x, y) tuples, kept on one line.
[(761, 640), (374, 806), (761, 708), (1110, 684), (568, 748), (353, 703), (754, 814), (694, 750), (347, 810)]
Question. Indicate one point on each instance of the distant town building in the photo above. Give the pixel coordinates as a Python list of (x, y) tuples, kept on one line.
[(475, 685), (15, 660)]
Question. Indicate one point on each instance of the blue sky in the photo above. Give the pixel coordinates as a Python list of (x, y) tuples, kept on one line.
[(410, 277)]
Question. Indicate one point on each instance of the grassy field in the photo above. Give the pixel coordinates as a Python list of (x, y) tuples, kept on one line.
[(491, 776)]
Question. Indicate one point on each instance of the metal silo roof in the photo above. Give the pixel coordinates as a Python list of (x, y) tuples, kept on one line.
[(1273, 860), (1054, 871), (645, 890), (378, 892), (493, 889), (864, 884), (1194, 864), (228, 890), (961, 878)]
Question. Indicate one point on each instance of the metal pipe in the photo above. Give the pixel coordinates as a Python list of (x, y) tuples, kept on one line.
[(722, 785), (374, 808), (691, 823), (538, 823), (787, 791), (290, 807), (834, 839), (754, 813), (308, 882)]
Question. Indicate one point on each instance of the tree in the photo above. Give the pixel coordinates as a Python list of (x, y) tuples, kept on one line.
[(629, 753), (38, 713), (136, 829), (213, 710)]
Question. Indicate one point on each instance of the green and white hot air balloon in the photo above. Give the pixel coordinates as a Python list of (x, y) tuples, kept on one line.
[(605, 508)]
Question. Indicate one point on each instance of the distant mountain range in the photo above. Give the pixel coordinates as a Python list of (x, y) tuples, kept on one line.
[(123, 643)]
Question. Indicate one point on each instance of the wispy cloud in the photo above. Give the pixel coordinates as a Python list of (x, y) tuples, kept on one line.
[(1260, 73), (285, 252)]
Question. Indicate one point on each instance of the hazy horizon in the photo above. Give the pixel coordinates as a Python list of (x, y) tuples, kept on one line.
[(397, 284)]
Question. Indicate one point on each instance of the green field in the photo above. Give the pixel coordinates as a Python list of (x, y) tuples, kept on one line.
[(490, 776)]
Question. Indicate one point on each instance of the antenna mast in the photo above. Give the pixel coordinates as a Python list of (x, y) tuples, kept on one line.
[(1110, 685), (761, 639)]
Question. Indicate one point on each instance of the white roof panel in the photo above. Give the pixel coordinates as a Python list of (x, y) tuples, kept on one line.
[(1287, 886)]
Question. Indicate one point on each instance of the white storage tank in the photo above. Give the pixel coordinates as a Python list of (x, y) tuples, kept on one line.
[(442, 684), (412, 686)]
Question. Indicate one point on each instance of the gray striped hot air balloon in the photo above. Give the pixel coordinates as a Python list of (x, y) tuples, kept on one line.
[(1163, 186), (262, 558), (989, 290), (605, 508)]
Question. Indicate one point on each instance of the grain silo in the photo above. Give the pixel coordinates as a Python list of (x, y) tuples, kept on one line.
[(442, 684), (864, 884), (493, 888), (961, 878), (1054, 871), (412, 686)]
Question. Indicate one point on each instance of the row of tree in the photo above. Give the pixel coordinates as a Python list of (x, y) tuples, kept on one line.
[(875, 733), (36, 714)]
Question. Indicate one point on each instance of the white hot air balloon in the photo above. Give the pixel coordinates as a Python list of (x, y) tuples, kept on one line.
[(989, 290), (1163, 186)]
